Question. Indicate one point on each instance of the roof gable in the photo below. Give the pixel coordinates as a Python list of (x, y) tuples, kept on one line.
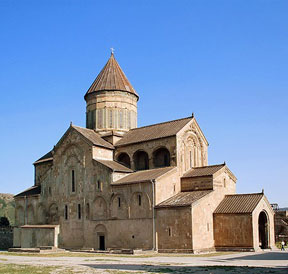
[(239, 203), (152, 132), (203, 171)]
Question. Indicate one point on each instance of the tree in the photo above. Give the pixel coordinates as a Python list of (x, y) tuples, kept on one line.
[(4, 222)]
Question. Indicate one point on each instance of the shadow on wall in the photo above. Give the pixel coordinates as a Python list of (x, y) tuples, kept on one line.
[(185, 269)]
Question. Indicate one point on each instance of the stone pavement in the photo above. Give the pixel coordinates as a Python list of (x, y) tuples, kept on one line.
[(269, 261)]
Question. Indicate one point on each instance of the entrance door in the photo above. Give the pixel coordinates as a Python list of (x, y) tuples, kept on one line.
[(101, 242), (263, 230)]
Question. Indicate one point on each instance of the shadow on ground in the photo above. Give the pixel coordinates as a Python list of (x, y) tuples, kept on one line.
[(184, 269)]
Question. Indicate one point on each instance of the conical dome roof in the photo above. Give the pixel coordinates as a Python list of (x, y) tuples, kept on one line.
[(111, 77)]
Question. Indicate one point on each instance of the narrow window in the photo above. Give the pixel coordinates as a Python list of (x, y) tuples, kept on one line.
[(224, 182), (50, 191), (121, 118), (79, 211), (139, 200), (99, 185), (174, 188), (66, 212), (169, 231), (110, 118), (207, 226), (119, 202), (87, 211), (73, 181), (190, 158), (129, 119)]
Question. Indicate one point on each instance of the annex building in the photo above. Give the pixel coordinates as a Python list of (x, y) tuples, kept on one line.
[(113, 185)]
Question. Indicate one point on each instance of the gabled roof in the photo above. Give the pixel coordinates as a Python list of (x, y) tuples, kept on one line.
[(203, 171), (114, 166), (156, 131), (239, 203), (111, 77), (183, 199), (46, 158), (34, 190), (93, 137), (143, 176)]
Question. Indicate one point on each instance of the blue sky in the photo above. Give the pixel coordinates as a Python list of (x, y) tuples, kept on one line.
[(226, 61)]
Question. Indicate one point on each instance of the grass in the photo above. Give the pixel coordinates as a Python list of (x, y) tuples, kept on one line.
[(26, 269)]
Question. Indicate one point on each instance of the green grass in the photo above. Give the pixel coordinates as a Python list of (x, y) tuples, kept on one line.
[(26, 269)]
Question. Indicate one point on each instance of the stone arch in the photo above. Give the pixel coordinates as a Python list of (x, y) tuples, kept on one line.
[(140, 205), (118, 207), (19, 215), (30, 214), (124, 159), (263, 229), (141, 160), (99, 208), (53, 214), (100, 238), (41, 214), (161, 157)]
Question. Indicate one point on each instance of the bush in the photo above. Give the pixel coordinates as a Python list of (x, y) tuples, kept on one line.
[(4, 222)]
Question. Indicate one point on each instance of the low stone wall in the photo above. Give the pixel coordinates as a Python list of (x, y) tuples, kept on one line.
[(6, 238)]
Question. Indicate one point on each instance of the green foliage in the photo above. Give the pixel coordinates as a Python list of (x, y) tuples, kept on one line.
[(7, 207), (4, 222)]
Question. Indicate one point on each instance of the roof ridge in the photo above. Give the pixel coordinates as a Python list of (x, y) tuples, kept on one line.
[(160, 123), (245, 194), (209, 166)]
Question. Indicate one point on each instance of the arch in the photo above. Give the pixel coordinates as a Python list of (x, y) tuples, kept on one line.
[(161, 157), (141, 160), (100, 239), (19, 216), (263, 229), (53, 214), (124, 159), (41, 214), (99, 208), (30, 214), (118, 207), (140, 205)]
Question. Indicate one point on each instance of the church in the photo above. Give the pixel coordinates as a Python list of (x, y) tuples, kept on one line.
[(115, 186)]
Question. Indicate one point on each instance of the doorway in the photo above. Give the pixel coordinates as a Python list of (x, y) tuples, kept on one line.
[(101, 242), (263, 230)]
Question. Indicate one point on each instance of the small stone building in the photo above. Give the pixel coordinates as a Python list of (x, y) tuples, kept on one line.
[(113, 185)]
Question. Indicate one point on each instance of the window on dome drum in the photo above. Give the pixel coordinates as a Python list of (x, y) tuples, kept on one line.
[(139, 200), (73, 180), (141, 160), (110, 118), (161, 157), (124, 159), (119, 202), (87, 211), (121, 118), (66, 212), (79, 211)]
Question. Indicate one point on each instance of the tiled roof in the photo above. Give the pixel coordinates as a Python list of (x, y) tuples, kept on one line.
[(152, 132), (183, 199), (111, 77), (202, 171), (115, 166), (93, 137), (239, 203), (143, 176), (34, 190), (47, 157)]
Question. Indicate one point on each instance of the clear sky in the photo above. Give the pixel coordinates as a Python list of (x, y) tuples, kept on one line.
[(226, 61)]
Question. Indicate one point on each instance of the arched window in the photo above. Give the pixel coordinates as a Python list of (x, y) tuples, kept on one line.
[(161, 157), (124, 159), (141, 160)]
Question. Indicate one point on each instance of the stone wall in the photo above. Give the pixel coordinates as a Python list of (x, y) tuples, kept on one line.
[(6, 238), (233, 230)]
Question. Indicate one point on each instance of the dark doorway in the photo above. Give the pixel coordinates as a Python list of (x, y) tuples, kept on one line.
[(141, 160), (124, 159), (101, 242), (161, 157), (263, 230)]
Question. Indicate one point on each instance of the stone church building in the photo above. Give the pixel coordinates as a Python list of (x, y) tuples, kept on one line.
[(113, 185)]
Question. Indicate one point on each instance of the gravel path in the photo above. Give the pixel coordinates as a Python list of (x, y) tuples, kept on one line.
[(270, 262)]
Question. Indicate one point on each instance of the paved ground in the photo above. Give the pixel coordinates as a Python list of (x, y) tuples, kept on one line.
[(269, 261)]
